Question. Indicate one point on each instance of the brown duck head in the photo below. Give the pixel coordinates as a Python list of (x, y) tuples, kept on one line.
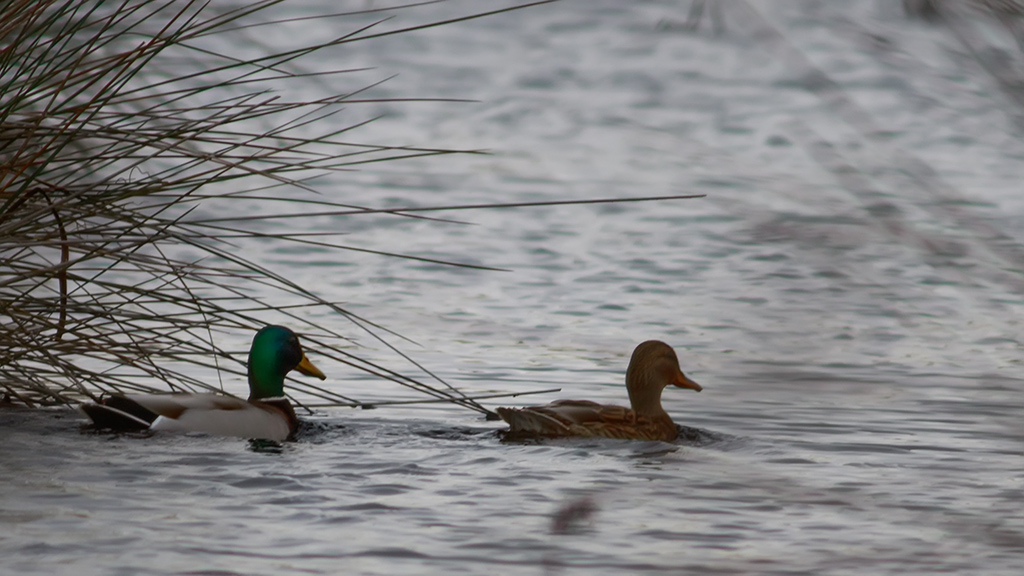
[(652, 367)]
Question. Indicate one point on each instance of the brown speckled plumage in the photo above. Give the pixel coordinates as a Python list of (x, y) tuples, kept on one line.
[(652, 367)]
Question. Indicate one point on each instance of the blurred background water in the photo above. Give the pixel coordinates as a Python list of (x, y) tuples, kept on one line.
[(848, 293)]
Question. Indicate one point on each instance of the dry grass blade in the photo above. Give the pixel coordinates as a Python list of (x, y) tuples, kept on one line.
[(113, 117), (127, 131)]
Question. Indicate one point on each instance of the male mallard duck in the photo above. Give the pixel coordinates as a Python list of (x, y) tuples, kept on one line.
[(266, 415), (654, 366)]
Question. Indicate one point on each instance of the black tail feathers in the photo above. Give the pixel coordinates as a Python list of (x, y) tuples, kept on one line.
[(119, 413)]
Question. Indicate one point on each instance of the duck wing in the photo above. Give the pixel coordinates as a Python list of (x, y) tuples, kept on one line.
[(585, 418), (565, 418)]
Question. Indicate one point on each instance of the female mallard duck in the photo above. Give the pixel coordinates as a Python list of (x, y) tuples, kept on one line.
[(266, 415), (654, 366)]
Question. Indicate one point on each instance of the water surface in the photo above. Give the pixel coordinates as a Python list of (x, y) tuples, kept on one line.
[(849, 295)]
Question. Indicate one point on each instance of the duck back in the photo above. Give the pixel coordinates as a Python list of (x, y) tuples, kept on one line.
[(208, 413), (588, 419)]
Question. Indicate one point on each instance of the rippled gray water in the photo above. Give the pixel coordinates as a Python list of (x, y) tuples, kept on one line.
[(849, 294)]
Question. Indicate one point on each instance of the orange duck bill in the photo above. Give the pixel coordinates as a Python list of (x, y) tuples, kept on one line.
[(682, 381), (306, 367)]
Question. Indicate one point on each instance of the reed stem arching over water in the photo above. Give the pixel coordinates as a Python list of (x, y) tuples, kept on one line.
[(120, 122), (141, 143)]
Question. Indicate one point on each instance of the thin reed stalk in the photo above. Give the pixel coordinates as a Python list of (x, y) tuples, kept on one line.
[(142, 142), (122, 126)]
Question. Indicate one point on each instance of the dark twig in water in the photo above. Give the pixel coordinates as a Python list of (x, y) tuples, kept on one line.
[(372, 405), (570, 517)]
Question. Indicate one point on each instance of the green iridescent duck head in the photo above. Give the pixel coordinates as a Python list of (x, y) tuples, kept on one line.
[(274, 353)]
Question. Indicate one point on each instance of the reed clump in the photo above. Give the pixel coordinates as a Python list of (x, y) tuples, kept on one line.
[(135, 139)]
